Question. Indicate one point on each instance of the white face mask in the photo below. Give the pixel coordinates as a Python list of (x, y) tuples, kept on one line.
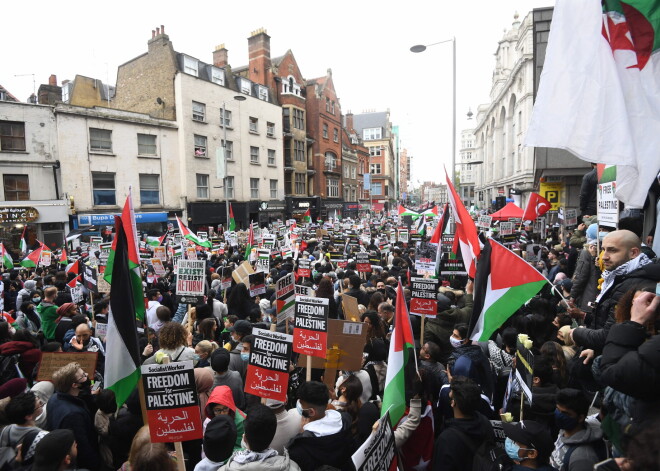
[(455, 342)]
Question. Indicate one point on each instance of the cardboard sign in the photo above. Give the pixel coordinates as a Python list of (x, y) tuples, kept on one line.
[(506, 228), (350, 306), (347, 340), (524, 367), (102, 285), (310, 333), (263, 260), (257, 283), (362, 262), (425, 257), (285, 297), (241, 273), (53, 361), (191, 253), (190, 279), (378, 452), (159, 268), (172, 402), (304, 269), (268, 367), (484, 222), (424, 299)]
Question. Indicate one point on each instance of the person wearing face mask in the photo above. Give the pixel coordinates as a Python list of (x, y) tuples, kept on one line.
[(528, 444), (154, 298), (65, 410), (580, 442), (22, 412), (239, 330), (27, 317), (463, 346)]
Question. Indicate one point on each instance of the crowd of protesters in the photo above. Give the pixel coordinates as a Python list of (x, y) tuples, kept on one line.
[(595, 390)]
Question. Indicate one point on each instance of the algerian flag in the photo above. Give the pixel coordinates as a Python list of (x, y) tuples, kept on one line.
[(232, 221), (7, 261), (185, 232), (599, 89), (394, 396), (503, 283)]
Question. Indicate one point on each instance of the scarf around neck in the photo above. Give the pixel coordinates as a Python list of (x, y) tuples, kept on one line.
[(628, 267)]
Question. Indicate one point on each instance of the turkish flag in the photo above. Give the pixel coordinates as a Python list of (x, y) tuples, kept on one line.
[(536, 206)]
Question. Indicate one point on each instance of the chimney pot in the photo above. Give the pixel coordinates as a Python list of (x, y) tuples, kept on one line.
[(52, 80), (153, 33), (220, 56), (157, 31), (162, 29)]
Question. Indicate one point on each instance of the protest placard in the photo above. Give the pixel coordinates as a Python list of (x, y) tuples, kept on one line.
[(285, 297), (77, 295), (46, 257), (310, 331), (225, 278), (404, 235), (268, 366), (363, 264), (303, 290), (607, 205), (378, 452), (257, 283), (570, 217), (101, 331), (524, 366), (304, 269), (159, 268), (424, 299), (191, 253), (241, 273), (89, 278), (347, 338), (263, 260), (350, 307), (190, 276), (506, 228), (102, 285), (484, 222), (53, 361), (172, 402), (160, 253), (425, 257)]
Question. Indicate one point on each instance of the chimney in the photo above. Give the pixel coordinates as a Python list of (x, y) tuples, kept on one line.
[(49, 94), (52, 80), (158, 37), (349, 122), (220, 58), (259, 53)]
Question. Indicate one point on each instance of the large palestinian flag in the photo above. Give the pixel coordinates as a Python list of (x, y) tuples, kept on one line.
[(503, 283), (187, 233)]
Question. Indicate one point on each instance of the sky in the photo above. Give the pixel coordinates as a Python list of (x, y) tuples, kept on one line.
[(365, 43)]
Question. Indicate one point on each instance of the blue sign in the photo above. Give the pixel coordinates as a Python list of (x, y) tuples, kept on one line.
[(109, 219), (367, 181)]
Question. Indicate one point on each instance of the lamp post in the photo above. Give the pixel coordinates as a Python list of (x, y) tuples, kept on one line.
[(421, 48), (224, 157)]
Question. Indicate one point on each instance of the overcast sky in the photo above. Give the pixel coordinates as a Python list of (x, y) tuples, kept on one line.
[(365, 43)]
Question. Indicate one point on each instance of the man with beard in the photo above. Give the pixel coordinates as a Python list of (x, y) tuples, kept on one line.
[(83, 341), (66, 410)]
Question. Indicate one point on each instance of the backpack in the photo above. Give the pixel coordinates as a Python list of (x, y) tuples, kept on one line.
[(487, 456), (7, 451), (9, 367), (599, 447)]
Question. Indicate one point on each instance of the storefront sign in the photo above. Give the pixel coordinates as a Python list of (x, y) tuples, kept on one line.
[(101, 219), (18, 214), (268, 367)]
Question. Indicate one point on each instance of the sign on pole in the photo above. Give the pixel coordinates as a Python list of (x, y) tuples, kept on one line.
[(570, 217), (268, 367), (425, 257), (263, 260), (257, 282), (424, 299), (378, 453), (506, 228), (89, 278), (484, 222), (310, 333), (286, 299), (608, 205), (304, 269), (363, 263), (524, 366), (172, 402), (190, 281)]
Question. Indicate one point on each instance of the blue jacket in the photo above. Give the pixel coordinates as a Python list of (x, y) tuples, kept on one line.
[(67, 411)]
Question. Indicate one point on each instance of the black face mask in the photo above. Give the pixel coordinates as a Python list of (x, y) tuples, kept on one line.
[(86, 385)]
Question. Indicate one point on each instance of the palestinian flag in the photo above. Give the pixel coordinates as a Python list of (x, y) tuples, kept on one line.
[(606, 173), (250, 243), (122, 363), (6, 260), (232, 221), (64, 257), (32, 260), (76, 269), (420, 225), (394, 397), (156, 241), (128, 218), (185, 232), (407, 212), (503, 283), (23, 244), (307, 217)]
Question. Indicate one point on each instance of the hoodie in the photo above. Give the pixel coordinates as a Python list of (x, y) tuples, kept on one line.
[(26, 293), (272, 463), (222, 395), (584, 457), (450, 451), (48, 313)]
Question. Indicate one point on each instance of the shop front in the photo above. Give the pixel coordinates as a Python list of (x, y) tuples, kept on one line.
[(331, 209), (270, 211), (147, 223), (44, 221), (202, 216), (296, 207), (354, 210)]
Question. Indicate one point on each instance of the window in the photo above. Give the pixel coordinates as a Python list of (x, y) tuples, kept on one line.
[(202, 186), (149, 189), (301, 183), (198, 111), (273, 189), (146, 144), (376, 189), (330, 161), (299, 150), (299, 119), (370, 134), (229, 149), (327, 104), (227, 118), (103, 185), (347, 171), (100, 140), (335, 135), (17, 187), (375, 151), (254, 155), (229, 187), (263, 93), (332, 188), (190, 65), (12, 136), (254, 188), (270, 129), (290, 86), (217, 76), (353, 172), (271, 156), (200, 146), (254, 125), (325, 131), (246, 86), (374, 168), (332, 107)]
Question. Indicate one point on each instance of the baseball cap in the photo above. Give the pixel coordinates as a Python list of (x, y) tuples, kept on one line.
[(531, 434), (241, 326)]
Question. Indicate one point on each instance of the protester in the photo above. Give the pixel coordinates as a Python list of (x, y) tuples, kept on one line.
[(219, 438)]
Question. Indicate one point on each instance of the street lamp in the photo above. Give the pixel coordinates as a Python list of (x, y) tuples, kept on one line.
[(421, 48), (223, 175)]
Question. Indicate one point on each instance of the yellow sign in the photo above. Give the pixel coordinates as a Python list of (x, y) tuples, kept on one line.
[(553, 193), (18, 214)]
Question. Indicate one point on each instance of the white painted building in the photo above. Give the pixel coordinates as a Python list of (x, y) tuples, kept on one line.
[(468, 170)]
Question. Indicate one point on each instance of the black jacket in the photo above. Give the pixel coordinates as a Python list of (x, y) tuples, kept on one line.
[(450, 452), (588, 192)]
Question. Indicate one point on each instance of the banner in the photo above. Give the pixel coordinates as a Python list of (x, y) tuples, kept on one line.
[(363, 263), (310, 331), (172, 402), (190, 281), (424, 299), (285, 297), (378, 453), (268, 367), (425, 257), (257, 283)]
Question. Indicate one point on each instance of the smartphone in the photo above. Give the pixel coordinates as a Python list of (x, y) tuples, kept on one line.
[(657, 289), (607, 465)]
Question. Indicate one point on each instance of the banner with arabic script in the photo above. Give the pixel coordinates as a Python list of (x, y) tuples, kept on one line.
[(310, 330), (268, 367)]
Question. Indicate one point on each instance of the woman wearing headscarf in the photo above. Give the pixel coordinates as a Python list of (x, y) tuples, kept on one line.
[(204, 382)]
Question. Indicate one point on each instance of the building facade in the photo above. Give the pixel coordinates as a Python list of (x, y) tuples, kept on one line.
[(468, 169)]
